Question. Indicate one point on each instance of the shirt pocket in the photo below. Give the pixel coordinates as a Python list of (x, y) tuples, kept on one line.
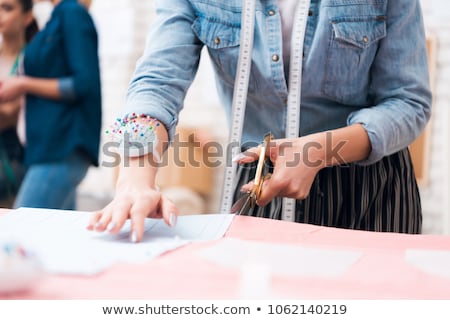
[(222, 39), (351, 52)]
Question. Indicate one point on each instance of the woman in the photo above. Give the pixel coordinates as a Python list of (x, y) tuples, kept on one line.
[(17, 28), (62, 106), (365, 98)]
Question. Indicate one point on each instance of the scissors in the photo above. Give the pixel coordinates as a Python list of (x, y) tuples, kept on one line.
[(248, 200)]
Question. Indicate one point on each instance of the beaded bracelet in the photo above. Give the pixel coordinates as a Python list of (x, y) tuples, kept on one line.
[(136, 135)]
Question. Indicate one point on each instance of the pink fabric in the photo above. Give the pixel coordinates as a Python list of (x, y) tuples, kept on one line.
[(381, 273)]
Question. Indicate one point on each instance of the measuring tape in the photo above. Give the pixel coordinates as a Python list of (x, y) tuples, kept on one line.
[(295, 86), (241, 88), (239, 99)]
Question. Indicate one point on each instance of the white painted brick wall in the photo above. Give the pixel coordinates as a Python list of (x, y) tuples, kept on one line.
[(123, 25)]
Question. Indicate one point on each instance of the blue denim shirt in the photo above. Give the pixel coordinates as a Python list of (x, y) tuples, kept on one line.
[(365, 61)]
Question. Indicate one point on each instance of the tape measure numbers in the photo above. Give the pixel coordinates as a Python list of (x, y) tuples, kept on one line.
[(241, 88), (295, 86), (239, 99)]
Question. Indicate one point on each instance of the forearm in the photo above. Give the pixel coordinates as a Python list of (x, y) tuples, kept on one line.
[(144, 168), (344, 145), (45, 88)]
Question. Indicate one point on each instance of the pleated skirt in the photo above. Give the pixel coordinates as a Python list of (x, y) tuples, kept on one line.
[(380, 197)]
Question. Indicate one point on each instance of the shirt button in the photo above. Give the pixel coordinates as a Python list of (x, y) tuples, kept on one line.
[(216, 40), (365, 39), (275, 58), (271, 12)]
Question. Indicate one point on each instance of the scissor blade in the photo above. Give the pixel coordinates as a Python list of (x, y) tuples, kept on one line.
[(237, 206), (242, 205), (246, 207)]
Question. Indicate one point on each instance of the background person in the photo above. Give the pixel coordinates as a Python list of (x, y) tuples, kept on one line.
[(17, 28), (62, 107)]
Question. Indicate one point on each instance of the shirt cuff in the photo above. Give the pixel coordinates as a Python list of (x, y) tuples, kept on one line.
[(375, 133), (160, 114), (66, 88)]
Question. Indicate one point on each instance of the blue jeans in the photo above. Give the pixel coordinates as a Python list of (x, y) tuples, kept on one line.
[(53, 185)]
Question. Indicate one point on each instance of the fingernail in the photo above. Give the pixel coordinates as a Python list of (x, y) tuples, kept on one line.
[(111, 226), (98, 225), (173, 219), (238, 157), (133, 237)]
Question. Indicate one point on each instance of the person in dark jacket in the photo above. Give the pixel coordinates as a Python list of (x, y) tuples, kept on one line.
[(17, 28), (61, 83)]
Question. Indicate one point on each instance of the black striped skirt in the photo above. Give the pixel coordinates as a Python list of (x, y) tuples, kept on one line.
[(380, 197)]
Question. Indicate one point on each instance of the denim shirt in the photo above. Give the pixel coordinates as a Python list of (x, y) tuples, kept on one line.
[(365, 61)]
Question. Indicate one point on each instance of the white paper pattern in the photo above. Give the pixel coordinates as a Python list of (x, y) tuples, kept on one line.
[(64, 245)]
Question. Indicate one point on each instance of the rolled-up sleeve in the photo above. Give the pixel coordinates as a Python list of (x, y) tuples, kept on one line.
[(81, 48), (167, 67), (399, 84), (66, 88)]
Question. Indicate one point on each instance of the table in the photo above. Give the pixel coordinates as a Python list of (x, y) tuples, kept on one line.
[(381, 272)]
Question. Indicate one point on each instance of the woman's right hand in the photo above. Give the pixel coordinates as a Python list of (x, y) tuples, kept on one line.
[(136, 196), (134, 200), (11, 88)]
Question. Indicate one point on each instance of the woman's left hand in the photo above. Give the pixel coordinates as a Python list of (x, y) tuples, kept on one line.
[(296, 163)]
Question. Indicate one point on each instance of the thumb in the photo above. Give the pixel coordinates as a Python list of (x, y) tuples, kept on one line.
[(269, 190)]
